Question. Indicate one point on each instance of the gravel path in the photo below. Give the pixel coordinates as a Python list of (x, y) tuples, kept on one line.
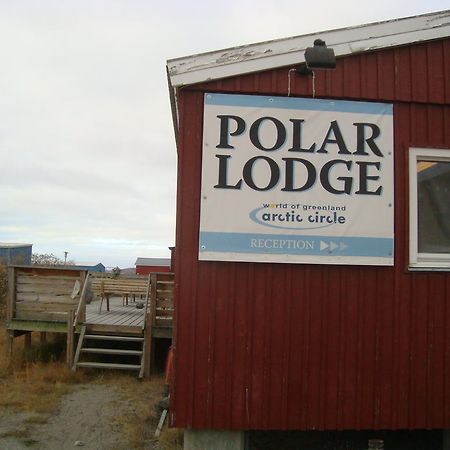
[(84, 419)]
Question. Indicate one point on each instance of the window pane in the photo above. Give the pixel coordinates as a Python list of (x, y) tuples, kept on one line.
[(433, 190)]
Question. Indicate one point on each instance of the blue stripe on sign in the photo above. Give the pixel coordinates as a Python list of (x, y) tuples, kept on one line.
[(258, 101), (295, 244)]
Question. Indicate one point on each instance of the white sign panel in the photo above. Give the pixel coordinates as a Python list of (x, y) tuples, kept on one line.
[(297, 180)]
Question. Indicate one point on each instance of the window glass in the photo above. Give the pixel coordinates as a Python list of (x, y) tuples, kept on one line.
[(433, 206), (429, 209)]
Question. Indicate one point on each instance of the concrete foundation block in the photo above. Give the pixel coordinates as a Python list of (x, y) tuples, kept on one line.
[(214, 440), (446, 440)]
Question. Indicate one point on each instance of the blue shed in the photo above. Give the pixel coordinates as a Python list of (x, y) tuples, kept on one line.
[(15, 253)]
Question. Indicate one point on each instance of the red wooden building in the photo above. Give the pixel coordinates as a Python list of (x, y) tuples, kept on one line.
[(319, 346), (145, 266)]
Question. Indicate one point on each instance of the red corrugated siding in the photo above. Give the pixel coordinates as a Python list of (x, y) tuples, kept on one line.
[(275, 346)]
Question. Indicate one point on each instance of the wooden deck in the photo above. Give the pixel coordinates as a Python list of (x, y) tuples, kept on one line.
[(118, 314), (54, 299)]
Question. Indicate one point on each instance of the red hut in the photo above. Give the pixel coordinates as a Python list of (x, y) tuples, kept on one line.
[(313, 240), (144, 266)]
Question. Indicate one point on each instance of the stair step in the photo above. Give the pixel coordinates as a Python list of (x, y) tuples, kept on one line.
[(111, 351), (114, 338), (109, 366)]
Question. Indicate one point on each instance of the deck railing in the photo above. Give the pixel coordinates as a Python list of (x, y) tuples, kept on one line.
[(158, 314), (81, 307), (43, 294)]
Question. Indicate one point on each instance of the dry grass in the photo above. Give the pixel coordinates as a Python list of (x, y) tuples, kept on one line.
[(34, 382), (170, 439), (144, 396), (139, 427)]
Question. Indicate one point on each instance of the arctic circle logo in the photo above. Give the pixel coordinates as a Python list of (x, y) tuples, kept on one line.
[(280, 216)]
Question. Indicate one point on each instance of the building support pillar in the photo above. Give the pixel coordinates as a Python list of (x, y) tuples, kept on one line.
[(445, 439), (214, 440), (9, 342), (27, 341)]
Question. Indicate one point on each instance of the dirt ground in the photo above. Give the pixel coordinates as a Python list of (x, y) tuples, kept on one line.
[(89, 417)]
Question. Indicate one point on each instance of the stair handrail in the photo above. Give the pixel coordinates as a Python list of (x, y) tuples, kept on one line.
[(146, 303), (81, 301)]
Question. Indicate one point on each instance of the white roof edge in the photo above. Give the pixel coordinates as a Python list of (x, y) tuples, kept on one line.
[(290, 51), (13, 245), (150, 261)]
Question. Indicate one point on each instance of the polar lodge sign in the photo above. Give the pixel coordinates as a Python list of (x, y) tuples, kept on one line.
[(296, 180)]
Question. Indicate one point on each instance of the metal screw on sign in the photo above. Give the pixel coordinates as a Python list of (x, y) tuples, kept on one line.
[(376, 443)]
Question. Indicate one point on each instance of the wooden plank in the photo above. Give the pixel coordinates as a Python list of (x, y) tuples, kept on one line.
[(46, 312), (165, 295), (165, 286), (23, 278), (120, 282), (137, 320), (124, 319), (94, 337), (31, 325), (111, 351), (45, 298), (81, 307), (48, 271), (166, 282), (11, 294), (164, 304), (119, 292), (113, 283), (165, 277), (96, 365), (116, 319), (162, 332), (164, 312), (70, 339), (49, 307), (112, 329), (79, 346), (60, 289), (165, 290), (142, 369), (46, 287), (163, 322), (131, 315), (42, 316), (149, 320), (161, 423)]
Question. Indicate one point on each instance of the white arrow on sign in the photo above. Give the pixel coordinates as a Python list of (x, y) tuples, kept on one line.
[(333, 246)]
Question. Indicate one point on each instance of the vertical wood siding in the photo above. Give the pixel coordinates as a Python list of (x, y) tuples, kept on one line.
[(292, 346)]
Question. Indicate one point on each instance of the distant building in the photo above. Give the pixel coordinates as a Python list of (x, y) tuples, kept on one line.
[(15, 253), (144, 266), (91, 268)]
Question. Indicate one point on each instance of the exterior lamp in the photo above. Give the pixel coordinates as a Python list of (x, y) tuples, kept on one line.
[(319, 57)]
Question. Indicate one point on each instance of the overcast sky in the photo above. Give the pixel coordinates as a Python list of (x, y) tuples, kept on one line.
[(88, 158)]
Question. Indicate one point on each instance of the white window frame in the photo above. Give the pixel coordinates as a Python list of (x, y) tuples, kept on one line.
[(425, 261)]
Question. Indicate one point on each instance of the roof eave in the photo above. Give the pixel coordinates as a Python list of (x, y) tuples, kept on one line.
[(290, 52)]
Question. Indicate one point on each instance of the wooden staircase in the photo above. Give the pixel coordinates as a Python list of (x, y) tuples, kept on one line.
[(123, 344), (109, 351)]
